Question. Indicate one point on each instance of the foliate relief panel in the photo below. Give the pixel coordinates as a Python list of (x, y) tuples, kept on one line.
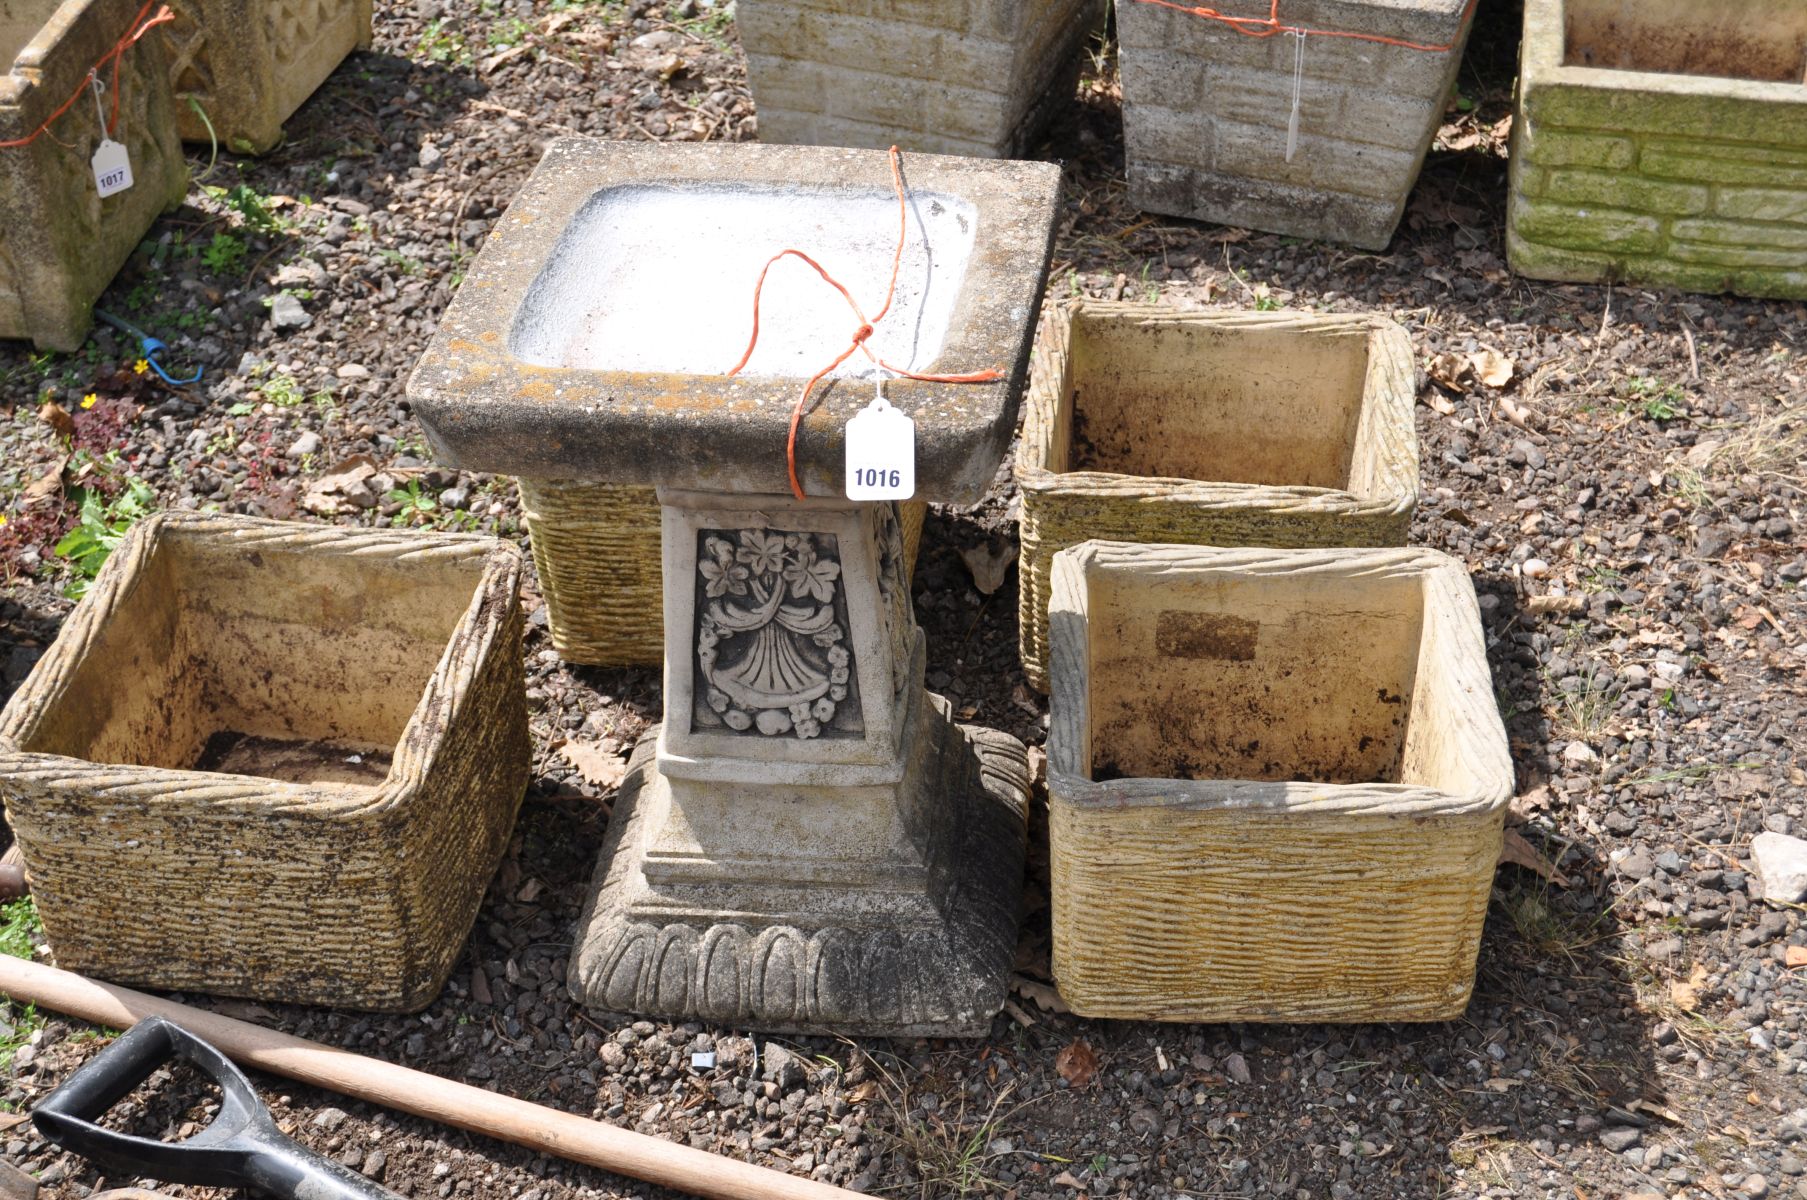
[(773, 657)]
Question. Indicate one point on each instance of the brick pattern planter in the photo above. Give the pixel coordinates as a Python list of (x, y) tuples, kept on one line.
[(1626, 168), (1277, 784), (1151, 424), (60, 243), (251, 63), (1206, 108), (974, 77), (273, 760)]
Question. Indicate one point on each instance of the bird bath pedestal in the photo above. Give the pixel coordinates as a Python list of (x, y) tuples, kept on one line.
[(809, 841)]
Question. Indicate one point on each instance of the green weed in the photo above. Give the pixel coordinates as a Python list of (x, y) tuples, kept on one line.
[(103, 526)]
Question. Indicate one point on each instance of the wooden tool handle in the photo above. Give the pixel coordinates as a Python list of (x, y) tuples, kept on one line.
[(505, 1118)]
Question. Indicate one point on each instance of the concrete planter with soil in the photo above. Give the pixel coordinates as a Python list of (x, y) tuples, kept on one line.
[(974, 77), (1277, 783), (250, 64), (273, 760), (1662, 142), (60, 242), (1206, 111), (1152, 424)]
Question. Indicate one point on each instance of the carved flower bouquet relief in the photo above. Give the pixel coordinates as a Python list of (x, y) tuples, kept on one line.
[(771, 644)]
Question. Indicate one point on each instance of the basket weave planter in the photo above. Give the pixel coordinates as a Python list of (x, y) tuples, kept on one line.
[(273, 760), (60, 243), (1149, 424), (596, 549), (1277, 783), (250, 64)]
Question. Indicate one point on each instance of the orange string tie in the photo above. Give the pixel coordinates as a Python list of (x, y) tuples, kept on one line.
[(1268, 26), (861, 335), (139, 27)]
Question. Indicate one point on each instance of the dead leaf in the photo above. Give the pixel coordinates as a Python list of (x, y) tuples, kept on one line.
[(1440, 404), (1524, 807), (1795, 956), (1450, 370), (45, 486), (1045, 997), (1518, 414), (861, 1092), (1520, 853), (1552, 605), (240, 1010), (989, 565), (1065, 1179), (1491, 367), (1687, 995), (598, 762), (58, 418), (334, 492), (1652, 1109), (1077, 1064)]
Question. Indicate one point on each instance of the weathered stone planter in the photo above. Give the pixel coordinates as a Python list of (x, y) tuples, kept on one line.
[(273, 760), (60, 243), (1150, 424), (1662, 142), (1277, 782), (250, 64), (596, 551), (971, 77), (809, 841), (1206, 110)]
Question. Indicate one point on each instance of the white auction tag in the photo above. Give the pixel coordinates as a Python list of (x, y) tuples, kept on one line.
[(112, 168), (881, 452)]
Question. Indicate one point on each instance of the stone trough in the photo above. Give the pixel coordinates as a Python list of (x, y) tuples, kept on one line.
[(249, 64), (1153, 424), (61, 243), (1662, 142), (809, 841), (273, 760), (1277, 782)]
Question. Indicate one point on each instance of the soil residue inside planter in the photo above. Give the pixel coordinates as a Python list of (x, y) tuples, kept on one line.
[(297, 760)]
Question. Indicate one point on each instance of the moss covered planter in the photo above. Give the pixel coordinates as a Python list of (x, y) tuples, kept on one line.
[(250, 64), (1206, 110), (973, 77), (60, 243), (1151, 424), (1662, 142), (273, 760), (1277, 783)]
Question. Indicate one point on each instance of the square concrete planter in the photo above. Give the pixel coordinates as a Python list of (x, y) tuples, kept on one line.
[(60, 243), (596, 549), (1150, 424), (273, 760), (250, 64), (975, 77), (1277, 783), (1662, 142), (1206, 111)]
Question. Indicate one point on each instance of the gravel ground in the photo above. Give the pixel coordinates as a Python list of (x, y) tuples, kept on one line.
[(1629, 499)]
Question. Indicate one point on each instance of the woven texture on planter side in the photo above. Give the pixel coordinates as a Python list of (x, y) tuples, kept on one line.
[(596, 547), (318, 893), (1233, 900), (1061, 508)]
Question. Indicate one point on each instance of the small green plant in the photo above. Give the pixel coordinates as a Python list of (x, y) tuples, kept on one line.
[(281, 390), (398, 260), (20, 931), (1658, 401), (249, 204), (441, 45), (417, 506), (1266, 303), (102, 527), (225, 254)]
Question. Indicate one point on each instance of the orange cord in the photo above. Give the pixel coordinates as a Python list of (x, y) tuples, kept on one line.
[(139, 28), (860, 335), (1270, 25)]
